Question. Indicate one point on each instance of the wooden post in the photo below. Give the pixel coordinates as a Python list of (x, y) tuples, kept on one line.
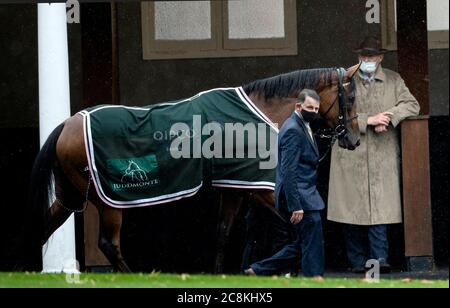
[(412, 41), (416, 194)]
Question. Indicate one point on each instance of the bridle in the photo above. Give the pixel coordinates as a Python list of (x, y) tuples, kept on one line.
[(341, 130)]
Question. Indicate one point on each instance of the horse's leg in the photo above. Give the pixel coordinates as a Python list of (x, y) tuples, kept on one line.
[(71, 182), (229, 208), (110, 220), (72, 157), (68, 200), (109, 235), (267, 230)]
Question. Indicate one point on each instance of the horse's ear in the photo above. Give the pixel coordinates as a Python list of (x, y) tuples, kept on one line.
[(352, 71)]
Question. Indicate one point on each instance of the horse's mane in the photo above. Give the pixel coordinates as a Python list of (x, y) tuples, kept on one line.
[(287, 84)]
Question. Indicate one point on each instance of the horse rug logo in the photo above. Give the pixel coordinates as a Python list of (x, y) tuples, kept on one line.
[(133, 173)]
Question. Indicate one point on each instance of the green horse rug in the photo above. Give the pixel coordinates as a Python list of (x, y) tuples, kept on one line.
[(142, 156)]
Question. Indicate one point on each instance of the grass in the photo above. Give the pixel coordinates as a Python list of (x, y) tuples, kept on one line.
[(158, 280)]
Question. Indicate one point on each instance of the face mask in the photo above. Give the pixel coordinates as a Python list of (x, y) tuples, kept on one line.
[(368, 67), (308, 116)]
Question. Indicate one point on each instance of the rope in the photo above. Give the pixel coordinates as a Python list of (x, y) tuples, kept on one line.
[(330, 146), (85, 203)]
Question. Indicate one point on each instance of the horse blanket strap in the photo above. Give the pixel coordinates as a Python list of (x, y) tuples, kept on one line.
[(141, 156)]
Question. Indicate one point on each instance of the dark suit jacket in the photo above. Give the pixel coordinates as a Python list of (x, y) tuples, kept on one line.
[(298, 160)]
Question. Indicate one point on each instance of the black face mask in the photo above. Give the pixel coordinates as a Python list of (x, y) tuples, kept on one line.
[(308, 116)]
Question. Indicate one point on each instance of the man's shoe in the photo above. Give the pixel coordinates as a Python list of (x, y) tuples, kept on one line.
[(250, 272), (358, 270), (385, 267)]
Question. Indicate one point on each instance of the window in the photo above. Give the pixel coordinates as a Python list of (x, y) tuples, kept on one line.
[(437, 11), (211, 29), (437, 22)]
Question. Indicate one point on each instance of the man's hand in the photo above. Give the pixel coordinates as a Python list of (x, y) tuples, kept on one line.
[(381, 129), (297, 217), (383, 118)]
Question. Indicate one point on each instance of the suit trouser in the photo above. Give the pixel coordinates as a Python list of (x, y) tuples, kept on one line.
[(358, 250), (308, 243)]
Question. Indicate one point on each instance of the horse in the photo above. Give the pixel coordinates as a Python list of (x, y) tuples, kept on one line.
[(61, 164)]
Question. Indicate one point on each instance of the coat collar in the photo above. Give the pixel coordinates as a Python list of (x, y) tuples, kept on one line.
[(380, 75), (305, 129)]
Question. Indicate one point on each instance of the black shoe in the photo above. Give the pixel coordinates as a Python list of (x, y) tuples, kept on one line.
[(358, 270), (385, 267)]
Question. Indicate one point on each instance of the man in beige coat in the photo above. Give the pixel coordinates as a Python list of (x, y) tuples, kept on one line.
[(364, 188)]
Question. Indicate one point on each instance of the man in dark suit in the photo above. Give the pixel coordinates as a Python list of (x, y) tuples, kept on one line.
[(296, 195)]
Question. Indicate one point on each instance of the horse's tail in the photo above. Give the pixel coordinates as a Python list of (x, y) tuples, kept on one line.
[(41, 179), (40, 191)]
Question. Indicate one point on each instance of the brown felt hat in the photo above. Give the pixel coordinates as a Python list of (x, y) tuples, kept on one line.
[(370, 46)]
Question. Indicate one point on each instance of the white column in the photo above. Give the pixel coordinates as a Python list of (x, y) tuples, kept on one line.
[(54, 107)]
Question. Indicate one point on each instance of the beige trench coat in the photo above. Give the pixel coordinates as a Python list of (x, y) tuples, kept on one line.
[(364, 186)]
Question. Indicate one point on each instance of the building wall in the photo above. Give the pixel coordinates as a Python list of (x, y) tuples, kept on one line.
[(439, 121), (320, 45), (439, 82), (18, 63)]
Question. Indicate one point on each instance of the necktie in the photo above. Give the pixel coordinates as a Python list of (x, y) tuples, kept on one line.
[(310, 131)]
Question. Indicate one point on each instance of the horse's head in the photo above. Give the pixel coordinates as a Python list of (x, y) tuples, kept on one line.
[(277, 97), (338, 107)]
